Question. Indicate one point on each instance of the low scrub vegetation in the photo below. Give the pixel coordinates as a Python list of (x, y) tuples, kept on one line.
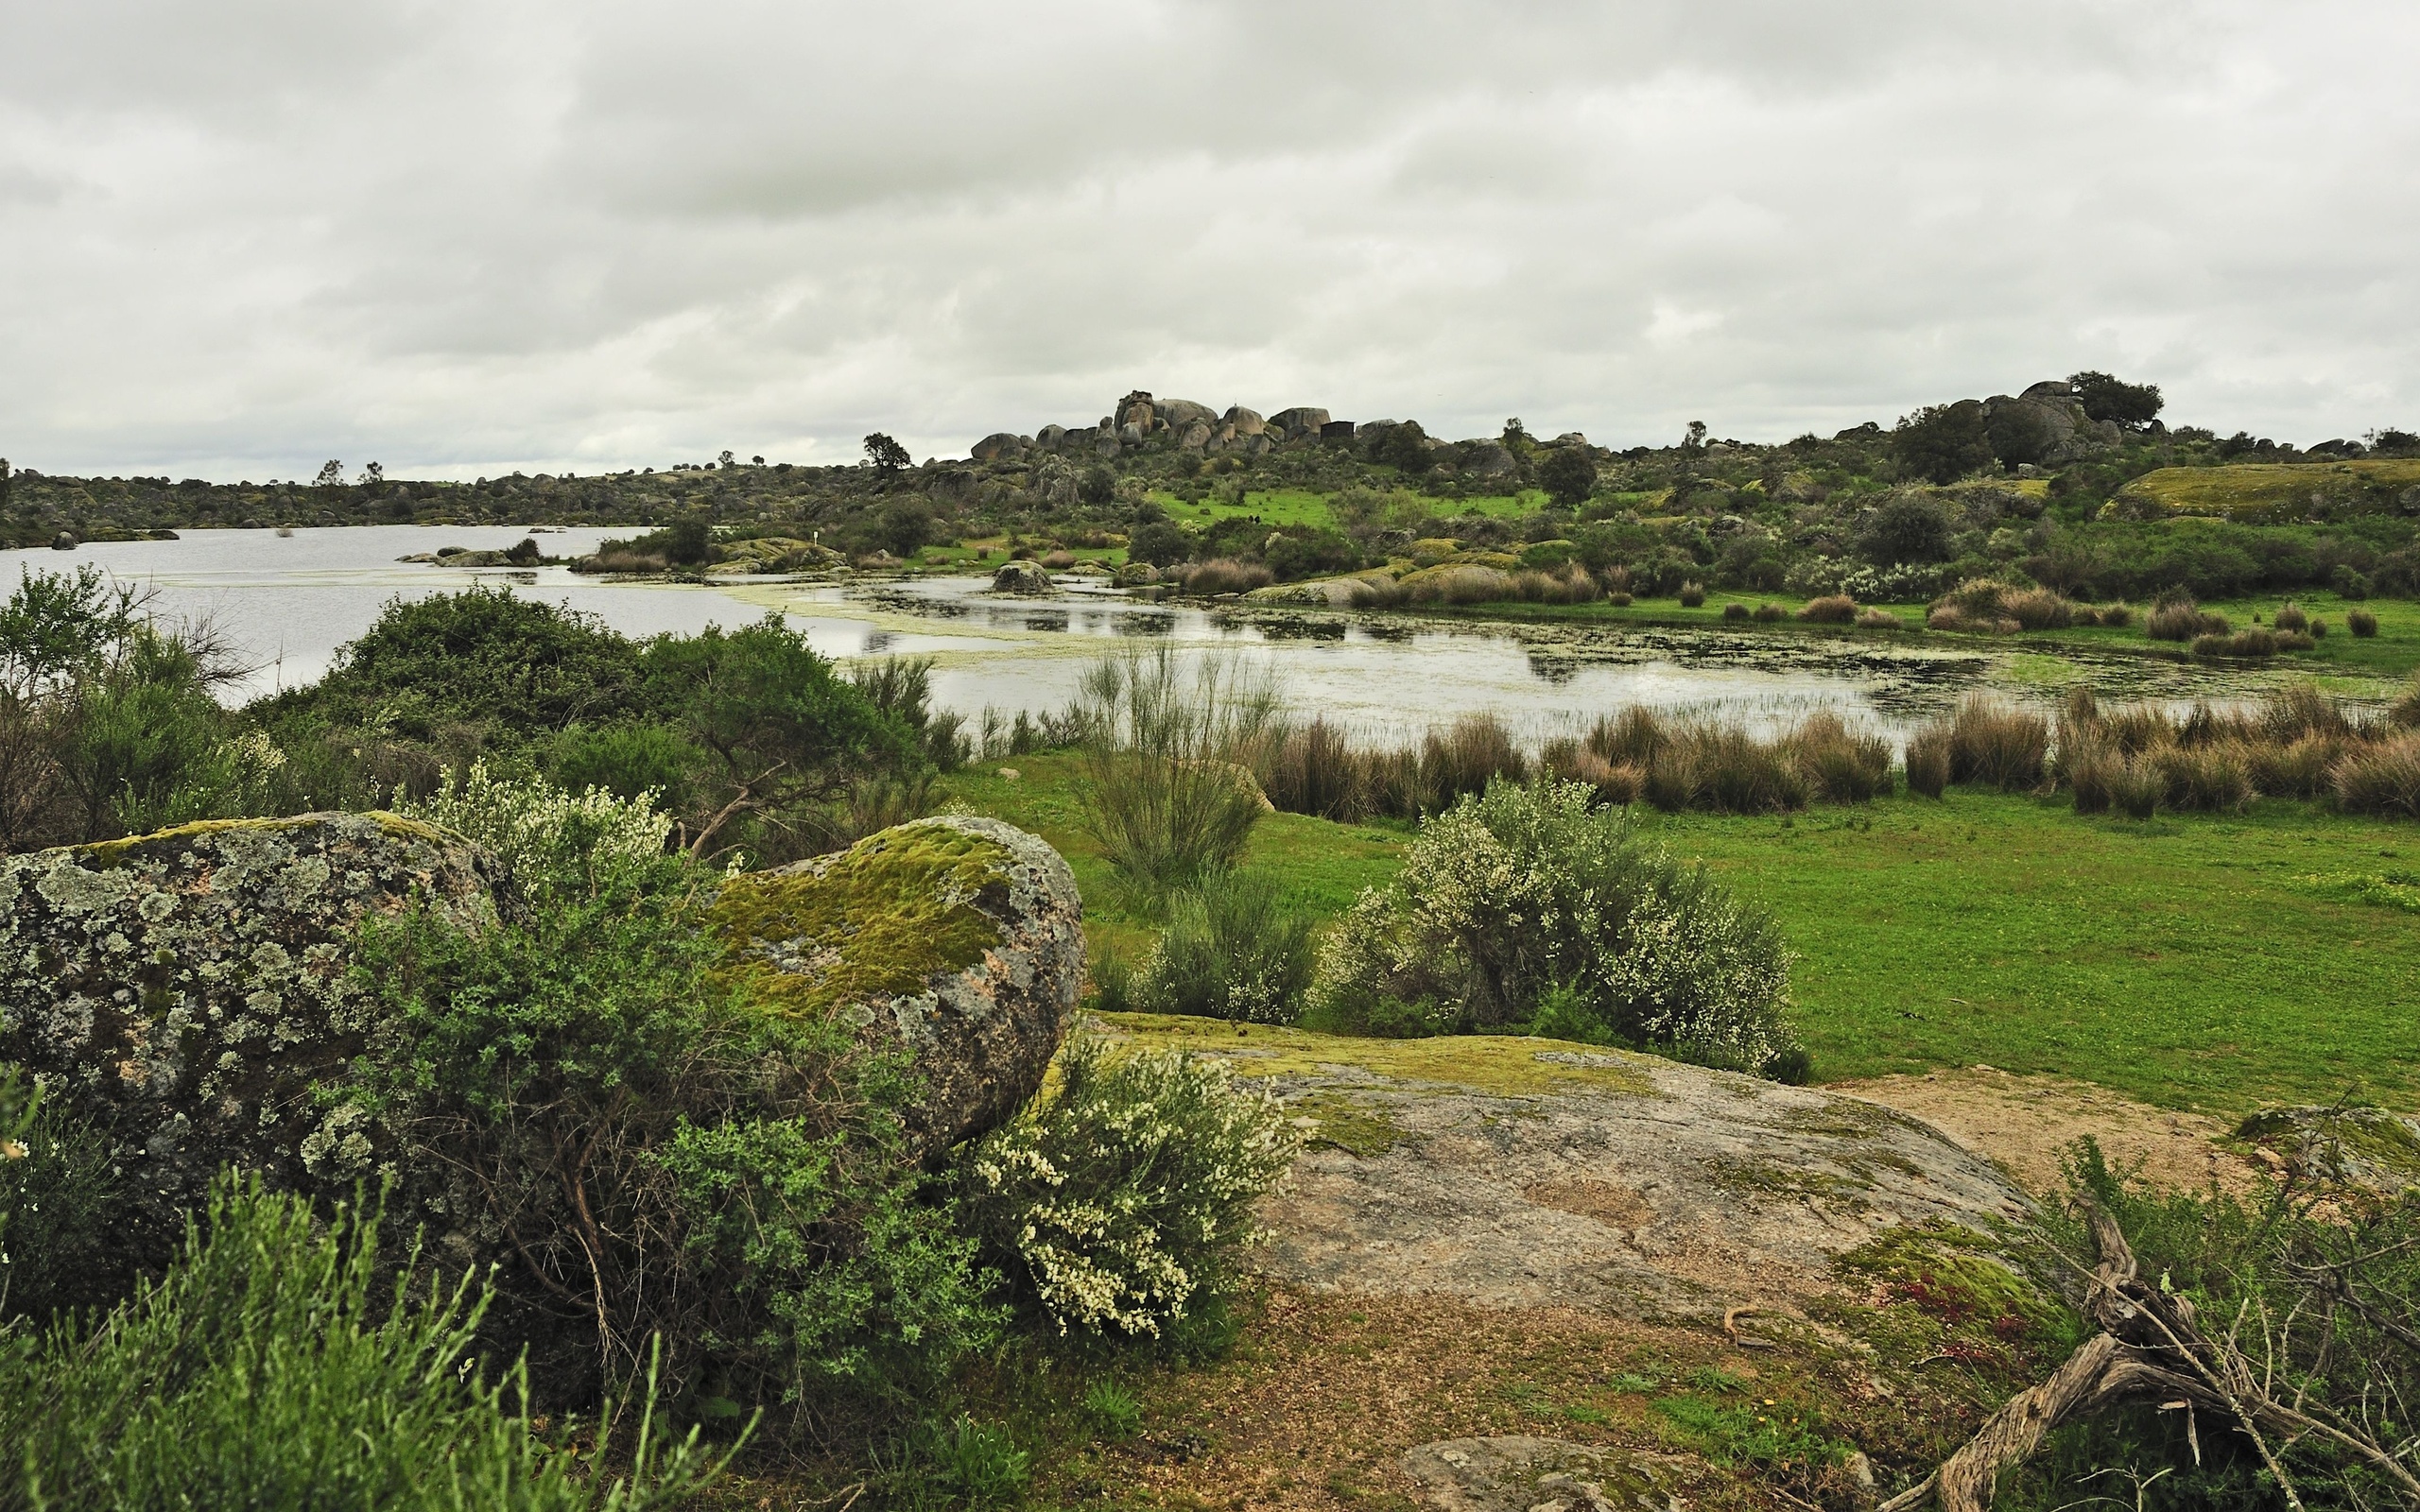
[(1167, 792), (1528, 905), (2297, 743)]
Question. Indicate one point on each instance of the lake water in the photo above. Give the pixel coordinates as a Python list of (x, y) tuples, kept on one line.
[(289, 602)]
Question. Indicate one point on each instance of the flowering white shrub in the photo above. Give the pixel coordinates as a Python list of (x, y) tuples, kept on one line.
[(557, 843), (1525, 905), (1120, 1201), (1909, 583)]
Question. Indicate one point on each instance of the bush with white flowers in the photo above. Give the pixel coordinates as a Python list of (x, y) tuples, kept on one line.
[(1120, 1201)]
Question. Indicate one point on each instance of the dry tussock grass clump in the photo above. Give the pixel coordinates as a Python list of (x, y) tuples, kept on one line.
[(1880, 619), (1313, 769), (1571, 760), (1928, 760), (1843, 766), (1692, 595), (2180, 619), (1461, 585), (1993, 744), (2362, 623), (1224, 575), (1462, 757), (1737, 611), (2291, 617), (1377, 591), (1059, 561), (1835, 608), (1989, 607), (2257, 640), (2380, 778), (1566, 584), (2214, 778)]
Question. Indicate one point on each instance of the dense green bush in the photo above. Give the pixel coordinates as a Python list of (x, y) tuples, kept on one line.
[(1233, 949), (1526, 899), (1119, 1203), (265, 1371), (59, 1214), (660, 1154)]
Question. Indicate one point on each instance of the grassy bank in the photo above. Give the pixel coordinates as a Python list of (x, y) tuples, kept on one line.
[(2190, 961)]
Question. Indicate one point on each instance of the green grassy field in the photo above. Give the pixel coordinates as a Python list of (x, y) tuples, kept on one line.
[(1296, 506), (2191, 962)]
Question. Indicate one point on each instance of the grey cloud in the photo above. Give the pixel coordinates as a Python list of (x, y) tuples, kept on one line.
[(247, 237)]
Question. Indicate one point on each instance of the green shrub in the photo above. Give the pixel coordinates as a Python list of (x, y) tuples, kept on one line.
[(1525, 889), (1119, 1202), (1233, 949), (59, 1208), (265, 1370), (1163, 787), (663, 1154)]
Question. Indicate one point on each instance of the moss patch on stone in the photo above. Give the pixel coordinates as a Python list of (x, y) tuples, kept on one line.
[(877, 922), (106, 854), (1348, 1123), (1505, 1064), (1959, 1277)]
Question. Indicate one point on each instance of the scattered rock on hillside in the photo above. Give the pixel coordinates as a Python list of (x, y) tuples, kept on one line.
[(1026, 579), (1516, 1173), (1522, 1474), (960, 939), (2367, 1147), (186, 990)]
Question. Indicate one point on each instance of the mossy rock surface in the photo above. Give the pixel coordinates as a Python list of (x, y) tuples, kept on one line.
[(186, 990), (957, 940)]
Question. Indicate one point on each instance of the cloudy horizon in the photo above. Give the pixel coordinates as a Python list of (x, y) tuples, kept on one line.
[(240, 239)]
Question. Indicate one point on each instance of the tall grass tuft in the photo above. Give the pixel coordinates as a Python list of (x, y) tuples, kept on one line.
[(265, 1370), (1991, 743), (1928, 760), (1841, 766), (1835, 608), (2180, 619), (2255, 641), (1692, 595), (1223, 575), (1164, 787), (2213, 779), (1313, 769), (1467, 754), (2136, 787), (2291, 617), (2362, 623), (2381, 778)]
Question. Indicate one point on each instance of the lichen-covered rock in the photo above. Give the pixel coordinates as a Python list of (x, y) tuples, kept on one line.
[(957, 940), (1523, 1474), (1026, 579), (187, 989)]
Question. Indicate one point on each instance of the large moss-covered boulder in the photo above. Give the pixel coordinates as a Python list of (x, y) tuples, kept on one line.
[(957, 940), (187, 991)]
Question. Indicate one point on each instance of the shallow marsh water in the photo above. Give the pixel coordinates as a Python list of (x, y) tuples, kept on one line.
[(288, 602)]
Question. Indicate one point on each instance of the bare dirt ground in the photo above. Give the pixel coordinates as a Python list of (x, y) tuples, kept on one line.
[(2023, 1123)]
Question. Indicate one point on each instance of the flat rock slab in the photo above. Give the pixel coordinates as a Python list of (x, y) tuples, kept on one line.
[(1519, 1475), (1516, 1173)]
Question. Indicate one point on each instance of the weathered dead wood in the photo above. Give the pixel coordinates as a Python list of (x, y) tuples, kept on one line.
[(2150, 1350)]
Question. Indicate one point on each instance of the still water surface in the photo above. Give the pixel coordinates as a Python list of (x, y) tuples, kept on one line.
[(289, 602)]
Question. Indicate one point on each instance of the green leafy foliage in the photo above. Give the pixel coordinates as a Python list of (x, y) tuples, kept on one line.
[(663, 1155), (266, 1371), (1233, 949), (1942, 444), (1526, 904)]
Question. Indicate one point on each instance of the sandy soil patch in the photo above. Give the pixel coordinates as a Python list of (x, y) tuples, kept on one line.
[(2024, 1121)]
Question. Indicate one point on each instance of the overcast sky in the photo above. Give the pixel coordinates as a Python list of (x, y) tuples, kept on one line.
[(239, 239)]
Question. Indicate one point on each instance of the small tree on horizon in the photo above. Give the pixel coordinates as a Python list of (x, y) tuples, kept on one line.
[(1568, 474), (885, 455), (2132, 405)]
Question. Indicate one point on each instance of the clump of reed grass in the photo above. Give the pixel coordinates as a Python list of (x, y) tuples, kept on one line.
[(1313, 769), (1833, 609), (1566, 584), (1842, 766), (1928, 760), (1377, 591), (2180, 619), (1059, 561), (2136, 788), (1879, 619), (1988, 606), (2255, 640), (1692, 595), (1466, 754), (1993, 744), (2119, 615), (2211, 779), (2382, 777), (1464, 584), (1737, 611), (1615, 784), (1619, 598), (2363, 622), (2291, 617), (1224, 575), (2404, 713)]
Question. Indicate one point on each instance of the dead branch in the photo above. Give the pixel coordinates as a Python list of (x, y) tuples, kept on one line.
[(2150, 1351)]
